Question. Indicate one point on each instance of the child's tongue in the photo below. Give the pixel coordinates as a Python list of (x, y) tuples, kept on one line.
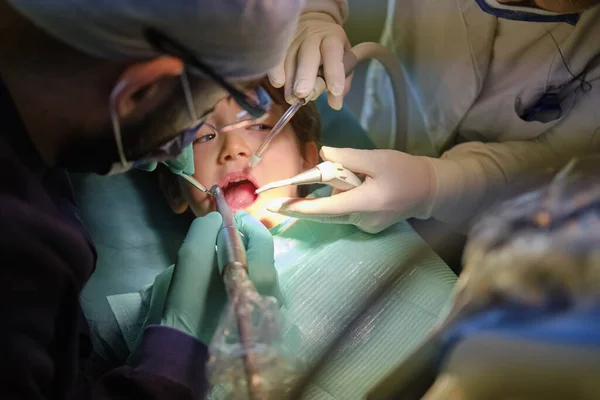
[(240, 195)]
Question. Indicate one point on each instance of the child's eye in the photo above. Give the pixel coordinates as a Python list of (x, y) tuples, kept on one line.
[(205, 133), (205, 138), (260, 127)]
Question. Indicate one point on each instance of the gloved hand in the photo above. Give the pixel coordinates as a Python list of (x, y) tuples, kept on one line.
[(183, 163), (397, 186), (319, 40), (196, 296)]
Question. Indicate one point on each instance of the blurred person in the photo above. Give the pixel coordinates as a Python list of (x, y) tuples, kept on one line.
[(496, 89), (100, 87)]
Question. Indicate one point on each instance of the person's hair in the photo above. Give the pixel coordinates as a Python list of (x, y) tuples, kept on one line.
[(306, 123)]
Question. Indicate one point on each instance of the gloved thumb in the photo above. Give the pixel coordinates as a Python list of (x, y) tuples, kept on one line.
[(260, 254), (202, 228), (355, 160)]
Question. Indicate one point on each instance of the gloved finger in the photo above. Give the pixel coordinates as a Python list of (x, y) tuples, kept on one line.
[(335, 102), (289, 65), (309, 60), (260, 254), (353, 159), (332, 51), (277, 75), (355, 200), (202, 234), (357, 219), (194, 273)]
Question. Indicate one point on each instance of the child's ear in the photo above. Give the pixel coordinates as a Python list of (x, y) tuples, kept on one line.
[(169, 184), (311, 155)]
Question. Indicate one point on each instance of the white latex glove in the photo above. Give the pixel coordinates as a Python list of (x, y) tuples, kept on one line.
[(396, 186), (319, 39)]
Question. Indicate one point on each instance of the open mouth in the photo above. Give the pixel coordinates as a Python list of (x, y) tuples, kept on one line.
[(239, 193)]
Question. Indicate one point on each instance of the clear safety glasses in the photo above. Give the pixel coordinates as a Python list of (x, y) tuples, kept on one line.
[(256, 103)]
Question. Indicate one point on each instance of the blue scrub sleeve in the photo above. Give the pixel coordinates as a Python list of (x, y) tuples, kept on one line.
[(170, 365)]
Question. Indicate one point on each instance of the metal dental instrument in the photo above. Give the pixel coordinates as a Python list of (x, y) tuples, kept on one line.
[(195, 183), (235, 276), (329, 173), (247, 356), (350, 62)]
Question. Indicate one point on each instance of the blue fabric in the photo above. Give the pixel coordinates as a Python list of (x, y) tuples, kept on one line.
[(578, 326), (517, 15), (341, 128), (160, 355)]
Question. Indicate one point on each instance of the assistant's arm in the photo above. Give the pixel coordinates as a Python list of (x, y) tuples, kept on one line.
[(471, 176)]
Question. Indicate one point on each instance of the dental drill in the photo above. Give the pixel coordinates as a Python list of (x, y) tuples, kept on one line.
[(329, 173), (246, 350), (352, 58)]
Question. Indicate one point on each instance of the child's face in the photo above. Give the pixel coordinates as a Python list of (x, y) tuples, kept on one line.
[(222, 158)]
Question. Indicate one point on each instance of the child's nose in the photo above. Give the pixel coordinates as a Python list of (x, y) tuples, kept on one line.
[(234, 147)]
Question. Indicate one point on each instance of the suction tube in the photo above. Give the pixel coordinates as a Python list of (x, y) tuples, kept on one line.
[(391, 64)]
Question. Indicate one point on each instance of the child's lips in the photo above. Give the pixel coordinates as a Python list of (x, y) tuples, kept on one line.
[(238, 189)]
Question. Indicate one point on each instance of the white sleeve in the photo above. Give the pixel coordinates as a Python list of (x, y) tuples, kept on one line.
[(338, 9), (470, 176)]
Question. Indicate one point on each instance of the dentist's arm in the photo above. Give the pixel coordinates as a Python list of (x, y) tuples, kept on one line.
[(173, 351), (320, 39)]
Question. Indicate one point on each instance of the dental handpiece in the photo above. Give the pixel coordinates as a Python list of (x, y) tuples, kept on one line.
[(350, 62), (239, 288), (329, 173)]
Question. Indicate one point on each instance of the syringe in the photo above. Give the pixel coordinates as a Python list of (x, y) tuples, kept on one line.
[(350, 61), (285, 118)]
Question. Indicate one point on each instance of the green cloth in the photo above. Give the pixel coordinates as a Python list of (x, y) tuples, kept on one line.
[(325, 272)]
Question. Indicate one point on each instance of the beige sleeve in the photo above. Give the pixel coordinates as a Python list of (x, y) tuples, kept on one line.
[(338, 9), (472, 176)]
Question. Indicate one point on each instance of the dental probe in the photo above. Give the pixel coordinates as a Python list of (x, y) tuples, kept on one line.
[(195, 183), (235, 277), (329, 173), (192, 181), (350, 62)]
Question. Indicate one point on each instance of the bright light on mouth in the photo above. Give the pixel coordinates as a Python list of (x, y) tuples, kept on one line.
[(239, 194)]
